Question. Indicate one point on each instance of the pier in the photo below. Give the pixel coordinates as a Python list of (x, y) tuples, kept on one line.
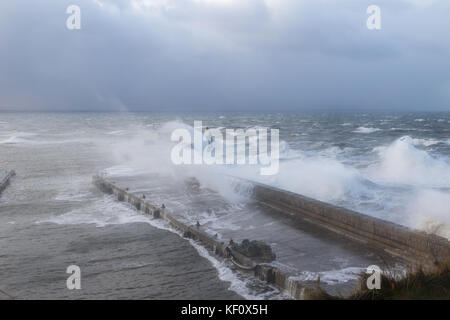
[(311, 239), (414, 247)]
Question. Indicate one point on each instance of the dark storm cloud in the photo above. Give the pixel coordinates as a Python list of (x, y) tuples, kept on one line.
[(224, 55)]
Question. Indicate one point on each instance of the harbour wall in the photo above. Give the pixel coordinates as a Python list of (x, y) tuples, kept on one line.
[(263, 271), (415, 247)]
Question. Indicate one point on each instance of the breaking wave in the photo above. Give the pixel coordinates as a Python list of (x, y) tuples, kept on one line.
[(366, 130), (402, 163)]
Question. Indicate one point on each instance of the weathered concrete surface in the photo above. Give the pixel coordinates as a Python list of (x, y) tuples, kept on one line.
[(413, 246), (299, 247), (295, 289), (5, 176), (255, 249)]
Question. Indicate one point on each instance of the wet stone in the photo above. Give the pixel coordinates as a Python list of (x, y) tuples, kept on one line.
[(255, 249)]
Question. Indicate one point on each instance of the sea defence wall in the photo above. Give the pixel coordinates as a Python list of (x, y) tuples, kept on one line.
[(263, 271), (4, 179), (415, 247)]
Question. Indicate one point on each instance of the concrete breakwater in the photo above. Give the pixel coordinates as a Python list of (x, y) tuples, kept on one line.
[(415, 247), (295, 289), (5, 178), (304, 251)]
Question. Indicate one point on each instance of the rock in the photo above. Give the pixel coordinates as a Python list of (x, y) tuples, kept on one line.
[(255, 249), (187, 234)]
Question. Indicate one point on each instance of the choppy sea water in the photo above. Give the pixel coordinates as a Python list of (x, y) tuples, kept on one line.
[(393, 166)]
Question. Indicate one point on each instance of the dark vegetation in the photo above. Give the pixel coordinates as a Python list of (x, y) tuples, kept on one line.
[(418, 284)]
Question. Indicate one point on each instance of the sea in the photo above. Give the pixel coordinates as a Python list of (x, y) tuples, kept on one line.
[(394, 166)]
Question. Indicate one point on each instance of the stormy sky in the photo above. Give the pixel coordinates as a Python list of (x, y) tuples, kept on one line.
[(227, 55)]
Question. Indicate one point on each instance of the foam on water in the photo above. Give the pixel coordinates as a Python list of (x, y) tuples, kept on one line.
[(429, 211), (16, 137), (214, 222), (402, 163), (74, 195), (117, 132), (366, 130), (108, 211), (332, 277), (424, 142), (406, 179), (238, 285), (103, 212), (31, 139), (320, 174), (119, 170), (317, 177)]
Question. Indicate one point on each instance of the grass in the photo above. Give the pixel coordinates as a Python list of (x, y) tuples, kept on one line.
[(416, 284)]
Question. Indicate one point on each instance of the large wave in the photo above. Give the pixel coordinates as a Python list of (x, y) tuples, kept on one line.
[(429, 210), (403, 163), (425, 179), (397, 186)]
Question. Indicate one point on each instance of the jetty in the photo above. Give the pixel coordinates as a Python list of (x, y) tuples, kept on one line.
[(314, 243), (412, 246)]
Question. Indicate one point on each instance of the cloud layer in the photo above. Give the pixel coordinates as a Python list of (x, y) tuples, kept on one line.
[(248, 55)]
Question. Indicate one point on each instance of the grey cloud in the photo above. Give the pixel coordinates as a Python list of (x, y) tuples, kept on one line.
[(203, 56)]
